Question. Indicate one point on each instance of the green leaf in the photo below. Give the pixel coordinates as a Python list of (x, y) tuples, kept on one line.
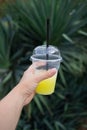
[(45, 103), (82, 32), (47, 123), (7, 78), (38, 104), (68, 39), (62, 77), (60, 125)]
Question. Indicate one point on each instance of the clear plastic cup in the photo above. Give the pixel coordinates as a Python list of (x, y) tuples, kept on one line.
[(47, 86)]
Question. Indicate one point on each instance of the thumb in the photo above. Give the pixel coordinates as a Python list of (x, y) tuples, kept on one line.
[(45, 75)]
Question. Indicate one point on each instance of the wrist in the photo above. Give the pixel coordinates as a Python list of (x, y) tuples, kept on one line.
[(25, 96), (20, 94)]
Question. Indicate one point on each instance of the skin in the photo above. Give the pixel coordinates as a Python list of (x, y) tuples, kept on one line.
[(22, 94)]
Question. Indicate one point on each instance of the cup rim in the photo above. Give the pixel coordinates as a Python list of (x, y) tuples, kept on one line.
[(59, 58)]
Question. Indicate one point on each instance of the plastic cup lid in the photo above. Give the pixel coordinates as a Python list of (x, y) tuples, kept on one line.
[(43, 50)]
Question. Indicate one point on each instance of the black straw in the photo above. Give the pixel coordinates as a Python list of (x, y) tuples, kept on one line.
[(48, 31), (48, 37)]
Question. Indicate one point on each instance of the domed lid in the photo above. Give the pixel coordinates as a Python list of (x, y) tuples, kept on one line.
[(43, 50)]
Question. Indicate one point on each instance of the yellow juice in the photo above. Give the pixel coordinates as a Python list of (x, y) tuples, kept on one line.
[(47, 86)]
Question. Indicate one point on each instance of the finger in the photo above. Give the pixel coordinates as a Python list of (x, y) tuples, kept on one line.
[(35, 65), (45, 75)]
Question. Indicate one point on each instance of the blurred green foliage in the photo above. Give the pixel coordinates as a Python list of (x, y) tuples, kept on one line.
[(22, 28)]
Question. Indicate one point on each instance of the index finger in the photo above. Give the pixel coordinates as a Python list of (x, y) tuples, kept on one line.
[(44, 75), (35, 65)]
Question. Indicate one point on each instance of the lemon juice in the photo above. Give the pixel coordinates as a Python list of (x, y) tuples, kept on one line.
[(47, 86)]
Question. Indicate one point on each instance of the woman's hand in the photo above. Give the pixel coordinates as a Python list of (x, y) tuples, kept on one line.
[(30, 81)]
